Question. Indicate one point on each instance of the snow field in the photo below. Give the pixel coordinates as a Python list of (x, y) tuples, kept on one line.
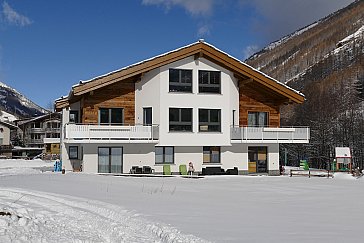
[(78, 207)]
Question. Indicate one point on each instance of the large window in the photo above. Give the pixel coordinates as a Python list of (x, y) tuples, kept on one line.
[(73, 152), (180, 119), (110, 160), (209, 82), (257, 119), (111, 116), (211, 154), (209, 120), (180, 80), (164, 155)]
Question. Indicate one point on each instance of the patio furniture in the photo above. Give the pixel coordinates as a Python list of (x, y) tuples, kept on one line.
[(147, 170), (213, 171), (167, 170), (136, 170), (182, 169)]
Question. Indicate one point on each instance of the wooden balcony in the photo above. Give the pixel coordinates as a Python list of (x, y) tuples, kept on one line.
[(270, 134), (85, 133)]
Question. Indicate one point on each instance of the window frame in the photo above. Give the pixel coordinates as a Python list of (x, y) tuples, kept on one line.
[(209, 122), (257, 124), (179, 83), (146, 117), (110, 116), (209, 84), (180, 121), (70, 152), (164, 148), (210, 150), (76, 116)]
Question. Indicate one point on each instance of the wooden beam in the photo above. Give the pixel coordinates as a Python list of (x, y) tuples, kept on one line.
[(246, 81)]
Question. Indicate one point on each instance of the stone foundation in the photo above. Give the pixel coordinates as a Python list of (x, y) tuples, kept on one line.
[(274, 173)]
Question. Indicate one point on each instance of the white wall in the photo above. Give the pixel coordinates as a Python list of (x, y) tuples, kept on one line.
[(5, 135), (147, 94), (153, 91)]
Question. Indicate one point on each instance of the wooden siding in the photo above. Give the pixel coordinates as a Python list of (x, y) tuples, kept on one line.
[(117, 95), (199, 49), (252, 99)]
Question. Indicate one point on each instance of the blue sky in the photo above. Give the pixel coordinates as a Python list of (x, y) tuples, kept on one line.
[(47, 46)]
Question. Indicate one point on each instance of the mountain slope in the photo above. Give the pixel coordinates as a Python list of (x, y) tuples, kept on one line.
[(13, 102), (325, 61), (336, 41)]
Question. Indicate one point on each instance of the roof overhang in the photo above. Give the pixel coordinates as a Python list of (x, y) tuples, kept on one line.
[(198, 49)]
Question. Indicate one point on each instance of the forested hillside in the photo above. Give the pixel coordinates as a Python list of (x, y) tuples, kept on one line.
[(325, 61)]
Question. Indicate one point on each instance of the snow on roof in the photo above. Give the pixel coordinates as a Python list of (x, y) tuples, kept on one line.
[(256, 70), (135, 64), (175, 50), (36, 118), (342, 152)]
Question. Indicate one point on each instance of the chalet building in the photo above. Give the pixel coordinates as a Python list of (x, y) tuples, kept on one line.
[(194, 104), (5, 133), (42, 132)]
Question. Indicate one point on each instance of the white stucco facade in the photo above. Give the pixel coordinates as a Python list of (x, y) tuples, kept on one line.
[(152, 91)]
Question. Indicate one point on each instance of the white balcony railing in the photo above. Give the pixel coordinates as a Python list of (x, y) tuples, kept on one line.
[(270, 134), (110, 132)]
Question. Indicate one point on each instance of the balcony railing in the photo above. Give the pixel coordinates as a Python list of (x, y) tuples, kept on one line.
[(110, 132), (270, 134)]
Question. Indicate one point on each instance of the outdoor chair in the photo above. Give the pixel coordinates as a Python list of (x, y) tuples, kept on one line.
[(183, 170), (147, 170), (136, 170), (167, 170)]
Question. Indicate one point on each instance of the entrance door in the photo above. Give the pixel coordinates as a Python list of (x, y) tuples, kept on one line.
[(258, 162), (110, 160)]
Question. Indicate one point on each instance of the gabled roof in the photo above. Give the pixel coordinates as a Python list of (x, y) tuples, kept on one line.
[(9, 125), (42, 117), (197, 49)]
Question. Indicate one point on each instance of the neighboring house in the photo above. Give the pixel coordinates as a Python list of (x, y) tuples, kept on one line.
[(5, 144), (194, 104), (42, 132)]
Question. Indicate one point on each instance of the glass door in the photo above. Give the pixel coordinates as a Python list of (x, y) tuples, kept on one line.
[(116, 160), (110, 160)]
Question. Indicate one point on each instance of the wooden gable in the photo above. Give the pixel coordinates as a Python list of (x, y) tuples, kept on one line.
[(243, 72)]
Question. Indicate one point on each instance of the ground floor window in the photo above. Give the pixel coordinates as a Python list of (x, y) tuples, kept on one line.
[(211, 154), (110, 160), (258, 162), (164, 155), (73, 152)]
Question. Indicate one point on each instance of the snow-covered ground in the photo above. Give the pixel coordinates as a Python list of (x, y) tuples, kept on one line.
[(51, 207)]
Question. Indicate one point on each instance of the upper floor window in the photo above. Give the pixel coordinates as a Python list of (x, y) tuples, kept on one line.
[(180, 119), (209, 120), (257, 119), (209, 82), (180, 80), (110, 116), (74, 117)]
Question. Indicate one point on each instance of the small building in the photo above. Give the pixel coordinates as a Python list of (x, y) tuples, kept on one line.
[(5, 144), (343, 158), (42, 132)]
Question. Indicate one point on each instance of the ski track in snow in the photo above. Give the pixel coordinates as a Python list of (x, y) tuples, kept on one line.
[(47, 217)]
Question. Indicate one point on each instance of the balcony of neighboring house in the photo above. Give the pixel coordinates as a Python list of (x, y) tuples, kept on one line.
[(270, 134), (36, 130), (93, 133)]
